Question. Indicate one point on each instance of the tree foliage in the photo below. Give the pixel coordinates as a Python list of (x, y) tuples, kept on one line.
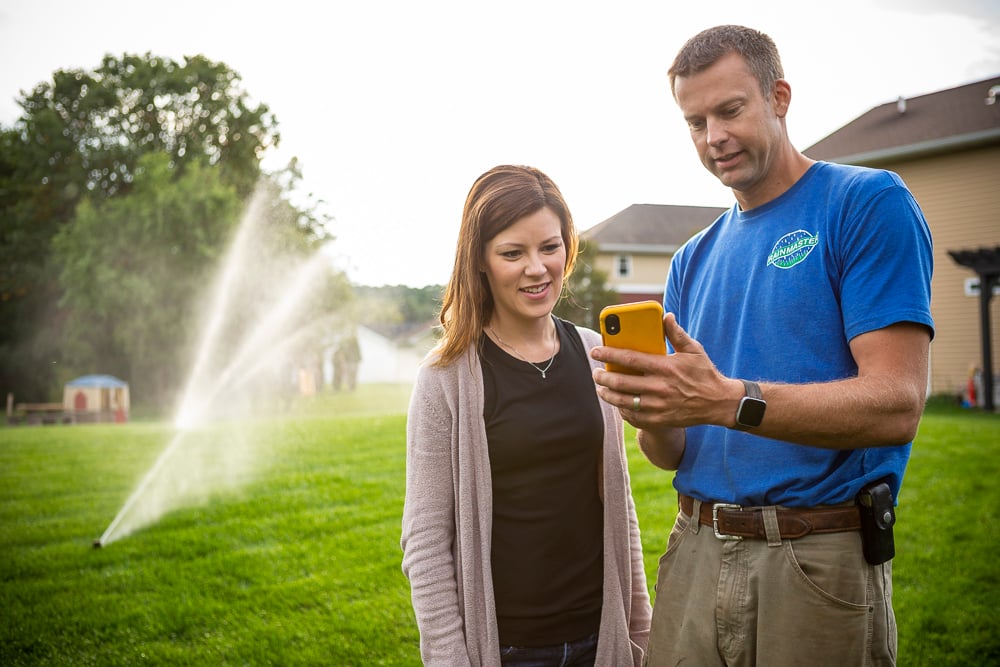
[(131, 266), (586, 292)]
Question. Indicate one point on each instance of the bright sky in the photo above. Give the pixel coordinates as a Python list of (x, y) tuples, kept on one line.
[(394, 107)]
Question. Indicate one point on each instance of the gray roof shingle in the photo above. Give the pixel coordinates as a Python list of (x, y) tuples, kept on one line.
[(945, 120), (652, 228)]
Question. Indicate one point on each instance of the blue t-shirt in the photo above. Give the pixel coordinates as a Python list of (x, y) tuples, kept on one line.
[(776, 294)]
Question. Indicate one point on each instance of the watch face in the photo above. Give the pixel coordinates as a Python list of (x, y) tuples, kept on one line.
[(751, 412)]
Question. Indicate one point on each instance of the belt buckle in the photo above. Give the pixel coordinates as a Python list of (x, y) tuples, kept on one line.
[(715, 520)]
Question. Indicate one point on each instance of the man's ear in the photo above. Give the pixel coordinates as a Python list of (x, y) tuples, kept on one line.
[(781, 97)]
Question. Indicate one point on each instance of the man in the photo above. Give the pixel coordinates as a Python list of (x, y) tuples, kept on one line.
[(799, 326)]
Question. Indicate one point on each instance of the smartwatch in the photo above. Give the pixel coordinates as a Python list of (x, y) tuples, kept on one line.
[(751, 411)]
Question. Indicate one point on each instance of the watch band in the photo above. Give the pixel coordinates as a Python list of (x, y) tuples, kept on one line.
[(752, 389)]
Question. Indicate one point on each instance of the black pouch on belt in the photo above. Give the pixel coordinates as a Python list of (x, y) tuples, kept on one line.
[(878, 515)]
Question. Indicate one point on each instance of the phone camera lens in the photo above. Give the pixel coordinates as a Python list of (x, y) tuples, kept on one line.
[(612, 324)]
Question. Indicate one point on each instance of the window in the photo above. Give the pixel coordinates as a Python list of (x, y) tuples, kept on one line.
[(623, 266)]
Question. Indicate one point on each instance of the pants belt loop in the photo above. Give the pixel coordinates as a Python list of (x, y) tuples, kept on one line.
[(695, 524), (771, 526)]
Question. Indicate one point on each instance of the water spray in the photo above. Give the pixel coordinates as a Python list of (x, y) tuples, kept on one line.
[(277, 321)]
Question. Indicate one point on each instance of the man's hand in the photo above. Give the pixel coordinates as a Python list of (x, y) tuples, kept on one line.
[(675, 390)]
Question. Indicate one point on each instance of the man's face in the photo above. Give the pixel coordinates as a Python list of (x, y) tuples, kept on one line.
[(737, 132)]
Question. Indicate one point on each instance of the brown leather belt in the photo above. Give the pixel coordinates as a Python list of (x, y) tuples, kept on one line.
[(735, 522)]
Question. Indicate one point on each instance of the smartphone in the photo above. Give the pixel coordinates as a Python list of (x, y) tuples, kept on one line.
[(633, 326)]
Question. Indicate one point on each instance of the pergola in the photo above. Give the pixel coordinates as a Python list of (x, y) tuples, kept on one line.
[(986, 263)]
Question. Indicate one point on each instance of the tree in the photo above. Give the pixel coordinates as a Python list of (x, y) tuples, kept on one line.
[(131, 267), (83, 135), (586, 292)]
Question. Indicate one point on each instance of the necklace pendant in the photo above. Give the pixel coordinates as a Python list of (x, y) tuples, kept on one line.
[(520, 356)]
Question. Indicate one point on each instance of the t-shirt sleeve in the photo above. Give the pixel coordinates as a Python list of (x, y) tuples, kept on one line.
[(887, 262)]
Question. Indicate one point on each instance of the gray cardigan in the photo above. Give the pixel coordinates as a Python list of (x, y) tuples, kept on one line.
[(447, 526)]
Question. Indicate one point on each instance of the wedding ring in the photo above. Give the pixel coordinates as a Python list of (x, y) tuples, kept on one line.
[(635, 402)]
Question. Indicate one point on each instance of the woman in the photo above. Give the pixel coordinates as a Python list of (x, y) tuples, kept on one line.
[(520, 536)]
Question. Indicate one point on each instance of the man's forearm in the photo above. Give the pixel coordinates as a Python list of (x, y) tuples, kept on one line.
[(663, 446), (860, 412)]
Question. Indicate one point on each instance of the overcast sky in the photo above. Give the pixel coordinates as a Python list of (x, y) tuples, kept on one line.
[(393, 108)]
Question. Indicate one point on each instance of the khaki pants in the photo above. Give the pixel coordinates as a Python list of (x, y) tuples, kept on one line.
[(775, 603)]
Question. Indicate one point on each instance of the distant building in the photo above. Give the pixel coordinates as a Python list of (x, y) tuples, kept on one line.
[(388, 355), (635, 246)]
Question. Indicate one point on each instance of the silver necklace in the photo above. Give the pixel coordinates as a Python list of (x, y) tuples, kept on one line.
[(520, 356)]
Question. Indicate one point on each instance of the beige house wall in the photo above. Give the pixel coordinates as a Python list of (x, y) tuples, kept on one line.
[(649, 271), (960, 196), (605, 262)]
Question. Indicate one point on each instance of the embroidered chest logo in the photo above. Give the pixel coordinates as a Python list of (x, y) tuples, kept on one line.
[(792, 249)]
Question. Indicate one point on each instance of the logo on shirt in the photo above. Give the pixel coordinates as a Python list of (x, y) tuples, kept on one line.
[(792, 249)]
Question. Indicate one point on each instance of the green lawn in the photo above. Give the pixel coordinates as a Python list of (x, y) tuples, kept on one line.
[(299, 564)]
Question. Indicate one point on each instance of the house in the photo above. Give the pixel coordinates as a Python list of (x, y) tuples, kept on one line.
[(634, 246), (387, 354), (946, 147)]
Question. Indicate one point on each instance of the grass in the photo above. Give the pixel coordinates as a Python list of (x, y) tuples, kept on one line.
[(300, 565)]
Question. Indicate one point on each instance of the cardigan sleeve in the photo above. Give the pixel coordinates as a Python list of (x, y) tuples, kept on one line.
[(428, 531)]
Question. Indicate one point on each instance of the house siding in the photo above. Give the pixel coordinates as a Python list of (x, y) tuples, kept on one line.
[(960, 197), (649, 272)]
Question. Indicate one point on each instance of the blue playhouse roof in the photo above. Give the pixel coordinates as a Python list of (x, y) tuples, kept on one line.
[(103, 381)]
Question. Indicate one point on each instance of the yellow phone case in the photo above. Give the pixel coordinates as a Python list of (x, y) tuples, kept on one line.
[(633, 326)]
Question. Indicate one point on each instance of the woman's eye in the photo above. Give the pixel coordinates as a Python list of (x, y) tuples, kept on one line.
[(552, 247), (511, 254)]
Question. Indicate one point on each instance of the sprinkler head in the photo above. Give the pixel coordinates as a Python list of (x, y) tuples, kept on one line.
[(97, 543)]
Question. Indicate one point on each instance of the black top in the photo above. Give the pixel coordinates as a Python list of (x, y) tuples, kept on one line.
[(545, 444)]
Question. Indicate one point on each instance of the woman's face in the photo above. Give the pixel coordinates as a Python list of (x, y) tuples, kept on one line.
[(524, 267)]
